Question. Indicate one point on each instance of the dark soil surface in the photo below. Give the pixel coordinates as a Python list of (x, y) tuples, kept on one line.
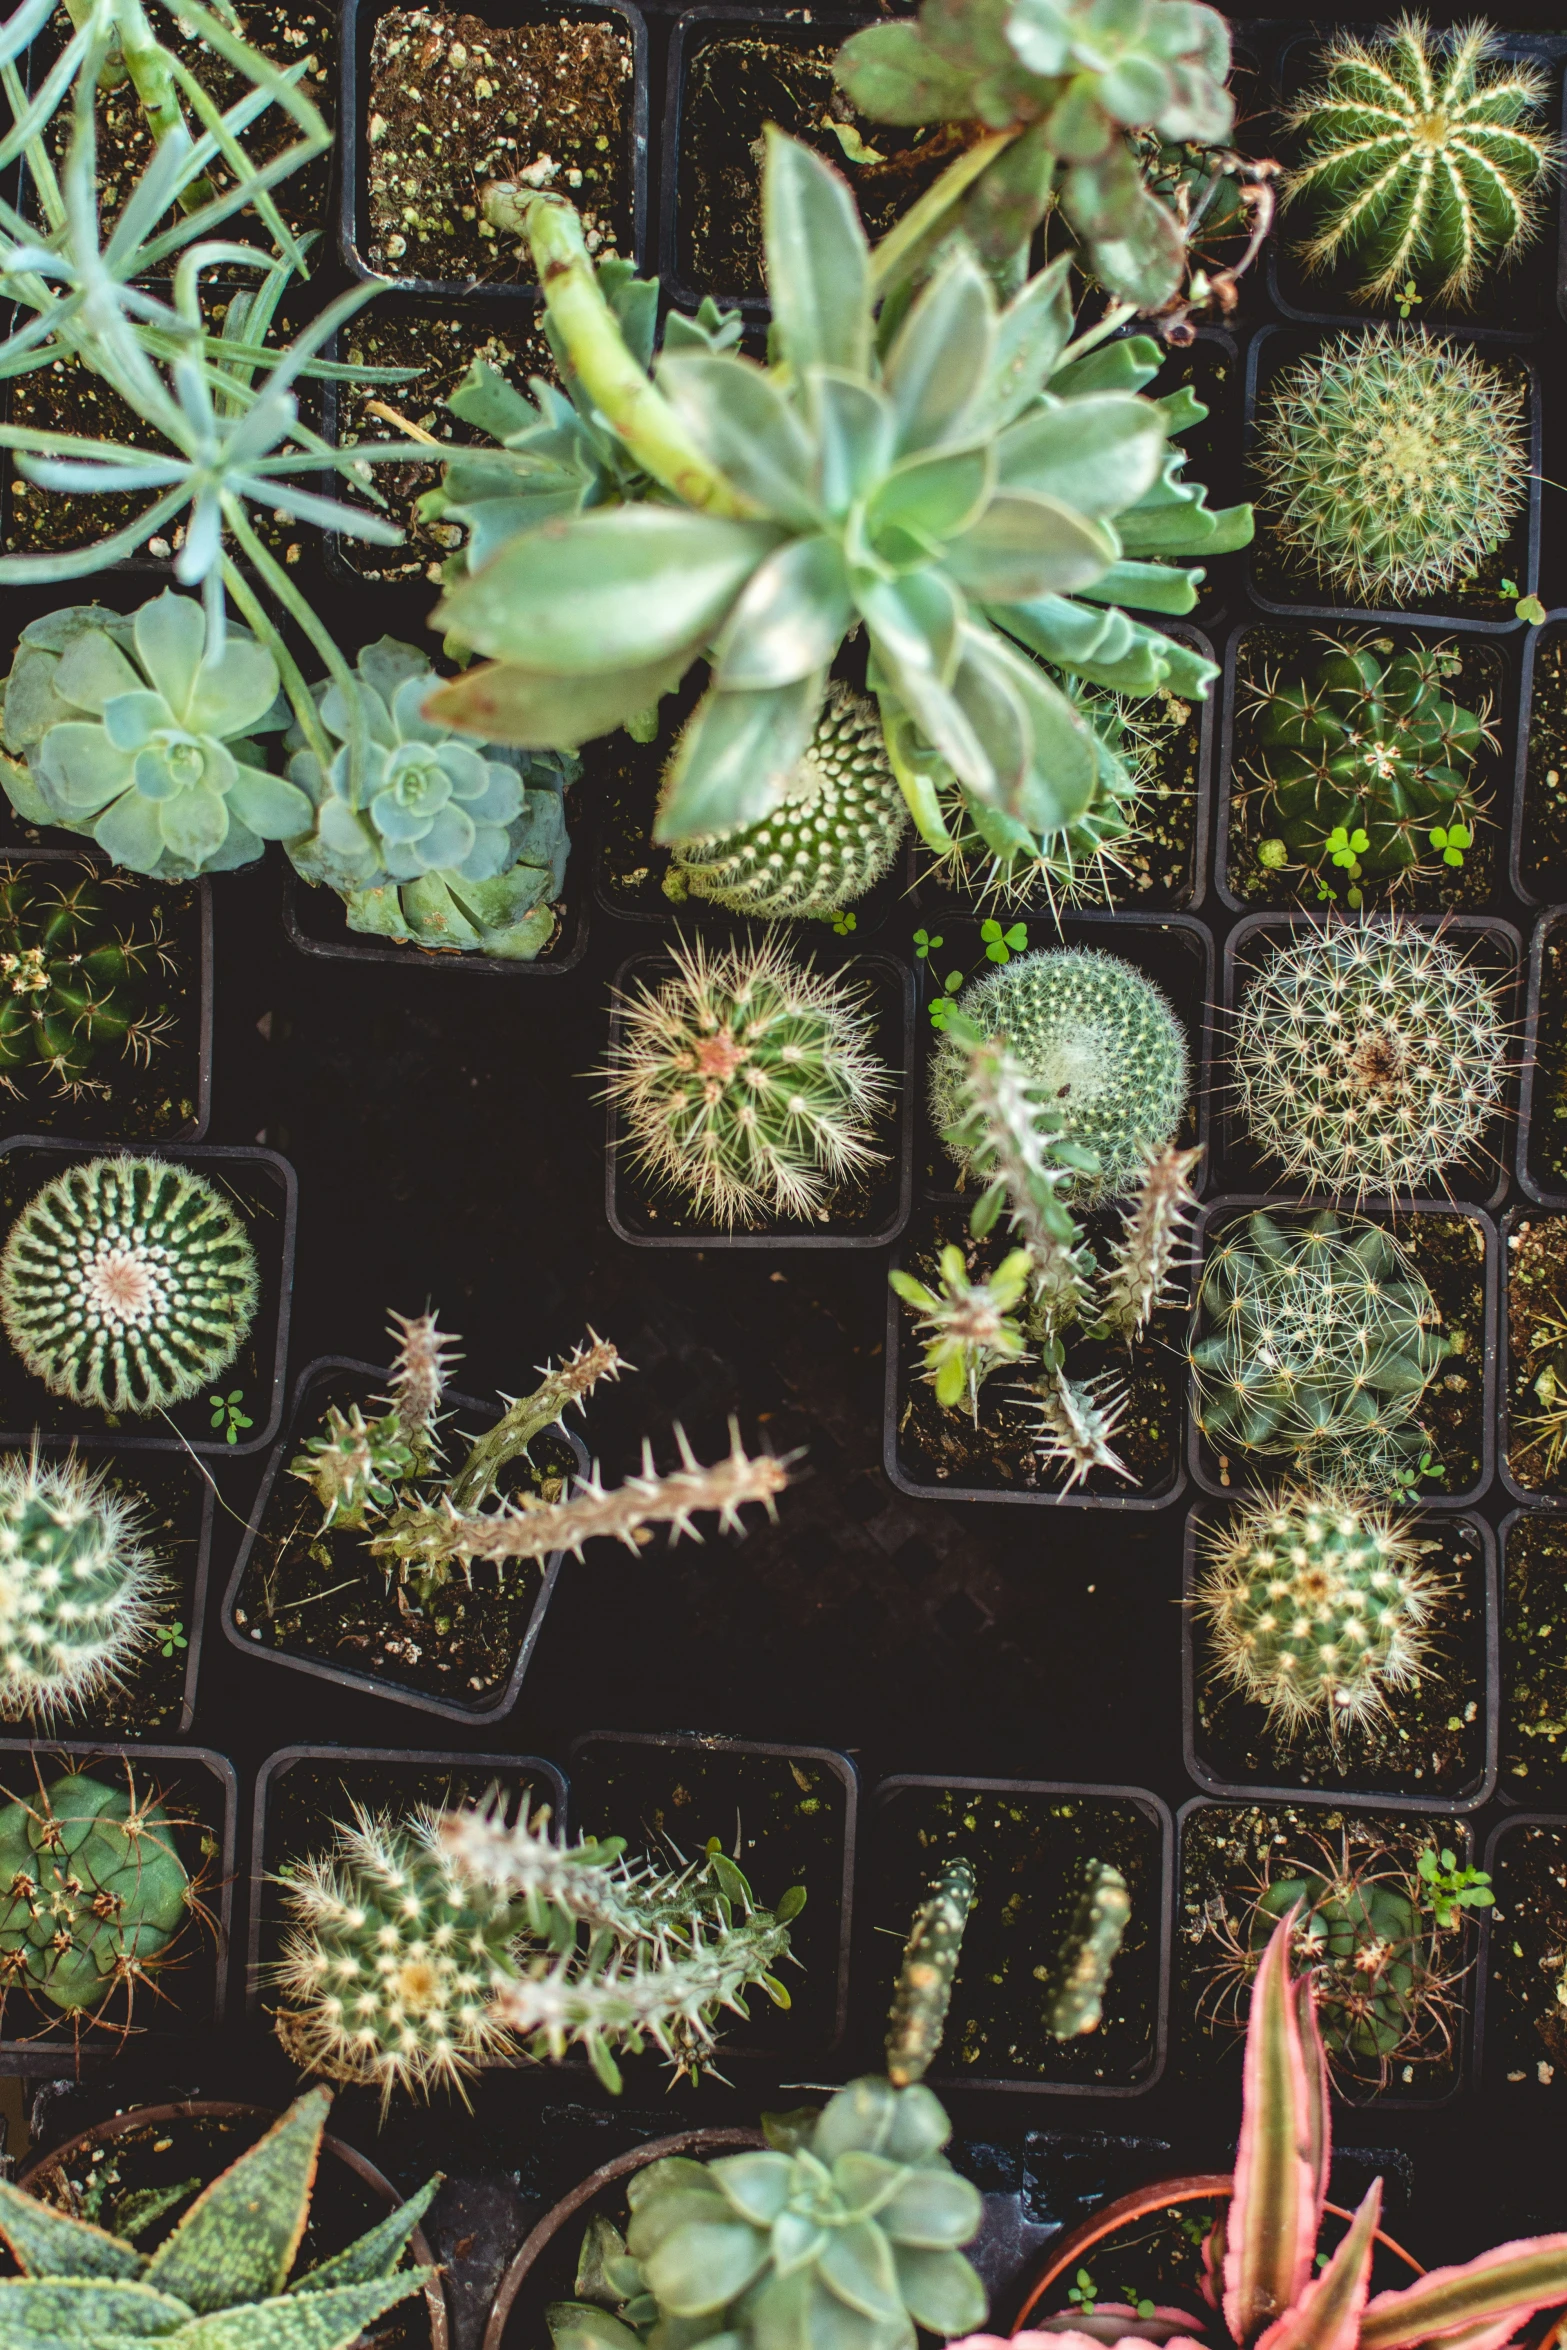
[(1542, 848), (1547, 1138), (1536, 1277), (1526, 1986), (1534, 1661)]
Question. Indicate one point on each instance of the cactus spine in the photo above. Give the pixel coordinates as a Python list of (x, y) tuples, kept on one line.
[(923, 1991), (1088, 1951), (71, 983), (78, 1588)]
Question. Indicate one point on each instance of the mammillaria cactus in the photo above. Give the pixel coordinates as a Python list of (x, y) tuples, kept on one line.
[(77, 1588), (1418, 163), (72, 982), (128, 1283), (1393, 461), (92, 1894), (1365, 770), (1369, 1058), (1316, 1601)]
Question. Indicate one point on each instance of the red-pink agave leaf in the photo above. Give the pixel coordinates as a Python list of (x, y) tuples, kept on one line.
[(1271, 2232), (1327, 2315), (1068, 2339), (1459, 2303), (1316, 2060), (1113, 2321)]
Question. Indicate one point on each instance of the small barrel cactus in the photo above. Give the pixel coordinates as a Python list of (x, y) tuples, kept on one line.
[(1369, 1059), (1099, 1042), (1418, 164), (831, 838), (77, 1588), (1369, 1951), (128, 1283), (923, 1991), (1316, 1602), (138, 734), (1313, 1338), (1364, 770), (72, 982), (1393, 461), (747, 1083), (92, 1892)]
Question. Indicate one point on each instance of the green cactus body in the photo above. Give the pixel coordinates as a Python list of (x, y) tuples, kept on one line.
[(831, 838), (1099, 1042), (1360, 764), (72, 984), (92, 1891), (128, 1283), (1393, 462), (1366, 1945), (1088, 1951), (1316, 1603), (1369, 1059), (1313, 1338), (923, 1990), (78, 1588), (1418, 164)]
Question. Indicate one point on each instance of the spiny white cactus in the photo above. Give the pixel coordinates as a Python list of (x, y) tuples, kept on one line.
[(1077, 1418), (1144, 1258), (1017, 1142), (420, 1369), (79, 1588)]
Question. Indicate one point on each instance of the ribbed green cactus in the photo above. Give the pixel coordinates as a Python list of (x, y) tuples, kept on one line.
[(73, 983), (1369, 1950), (128, 1283), (78, 1588), (923, 1990), (1369, 1058), (1089, 1949), (1393, 462), (92, 1893)]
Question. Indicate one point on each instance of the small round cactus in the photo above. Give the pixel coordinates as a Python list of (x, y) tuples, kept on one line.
[(72, 982), (747, 1083), (128, 1283), (831, 838), (1316, 1602), (77, 1588), (1369, 1059), (92, 1892), (1103, 1049), (1393, 461)]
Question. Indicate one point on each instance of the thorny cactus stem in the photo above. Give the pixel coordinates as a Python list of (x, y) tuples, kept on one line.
[(1145, 1254), (923, 1991), (1077, 1419), (570, 1381), (589, 1881), (1016, 1140), (419, 1375)]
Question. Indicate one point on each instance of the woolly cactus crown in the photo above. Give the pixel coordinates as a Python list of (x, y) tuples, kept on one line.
[(77, 1587)]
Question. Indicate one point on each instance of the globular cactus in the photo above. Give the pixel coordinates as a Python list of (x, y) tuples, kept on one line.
[(923, 1991), (832, 837), (1316, 1601), (1313, 1338), (73, 983), (129, 1283), (78, 1588), (1365, 770), (1369, 1058), (969, 1327), (1393, 462), (746, 1082), (1089, 1949), (92, 1894), (1418, 164)]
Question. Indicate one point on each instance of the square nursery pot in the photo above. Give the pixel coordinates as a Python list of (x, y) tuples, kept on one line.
[(1521, 2025), (648, 1214), (303, 1792), (1485, 681), (1533, 1681), (264, 1187), (167, 1097), (1221, 1847), (1539, 841), (1030, 1840), (392, 1649), (1542, 1116), (199, 1790), (1433, 1749), (418, 125), (1281, 584), (787, 1814), (1493, 946), (1534, 1288), (1455, 1247)]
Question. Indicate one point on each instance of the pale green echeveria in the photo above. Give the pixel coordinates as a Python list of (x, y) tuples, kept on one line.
[(512, 915), (129, 730)]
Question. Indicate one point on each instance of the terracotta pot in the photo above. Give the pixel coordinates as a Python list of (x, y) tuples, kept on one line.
[(221, 2109)]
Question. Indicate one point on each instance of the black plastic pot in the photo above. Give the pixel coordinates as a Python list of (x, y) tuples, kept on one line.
[(648, 1217), (1355, 1791), (1535, 1109), (1531, 1842), (304, 1412), (1534, 879), (265, 1185), (773, 1857), (191, 1998), (1213, 1477), (1532, 1769), (905, 1852), (1532, 1497), (1493, 944)]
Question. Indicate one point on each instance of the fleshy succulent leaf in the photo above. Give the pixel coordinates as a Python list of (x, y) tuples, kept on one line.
[(1327, 2315), (1502, 2286), (1274, 2214), (376, 2253), (238, 2240), (47, 2243)]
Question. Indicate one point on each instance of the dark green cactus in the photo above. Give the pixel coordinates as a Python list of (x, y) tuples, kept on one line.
[(1088, 1951), (73, 983), (1368, 1952), (930, 1962), (92, 1893)]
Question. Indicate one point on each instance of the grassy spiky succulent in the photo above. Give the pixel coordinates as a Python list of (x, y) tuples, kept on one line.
[(1393, 462), (970, 1327), (92, 1894), (1369, 1058), (72, 983), (129, 1283), (78, 1588), (1419, 163), (747, 1083), (1316, 1603)]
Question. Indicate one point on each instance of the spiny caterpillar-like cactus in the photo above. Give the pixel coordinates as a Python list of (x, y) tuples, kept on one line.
[(1316, 1601), (1369, 1058), (72, 984), (78, 1588), (923, 1991), (1418, 164), (969, 1327), (747, 1083), (1143, 1258), (1393, 462), (1088, 1951), (831, 838), (1076, 1420), (129, 1283), (1101, 1044), (1313, 1338), (1365, 769), (92, 1893)]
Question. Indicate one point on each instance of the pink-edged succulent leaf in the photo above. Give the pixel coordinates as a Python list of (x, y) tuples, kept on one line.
[(1118, 2321), (1213, 2247), (1327, 2315), (1482, 2302), (1316, 2060), (1074, 2338), (1275, 2211)]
